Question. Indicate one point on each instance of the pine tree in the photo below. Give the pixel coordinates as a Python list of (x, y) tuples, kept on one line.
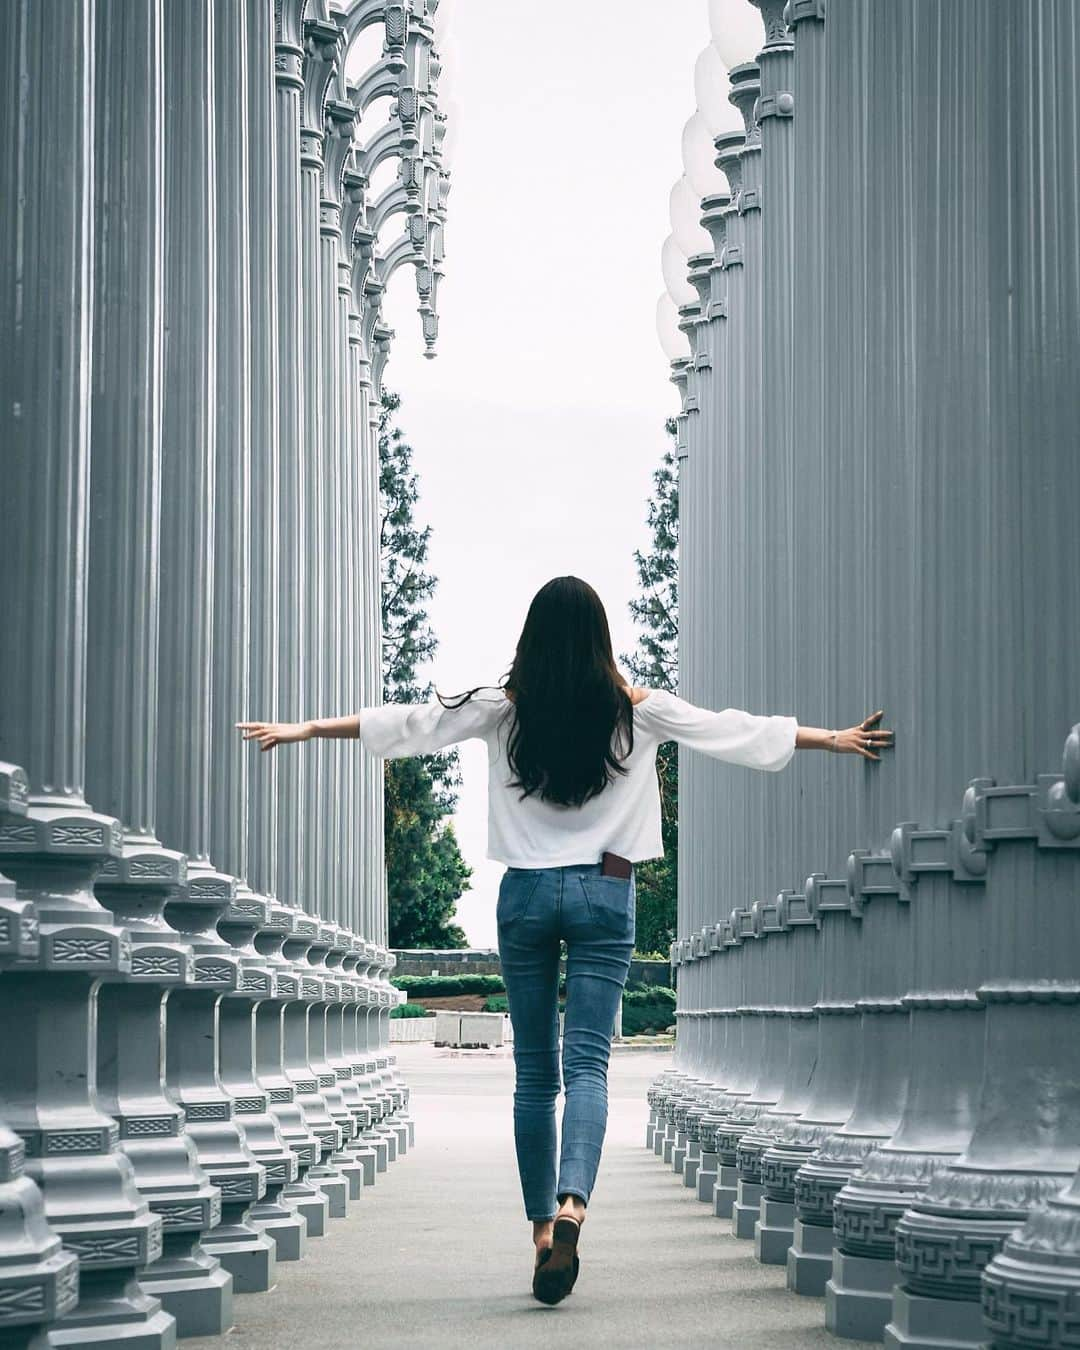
[(655, 665), (425, 871)]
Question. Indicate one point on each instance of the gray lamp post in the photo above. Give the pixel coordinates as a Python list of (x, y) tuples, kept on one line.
[(122, 664)]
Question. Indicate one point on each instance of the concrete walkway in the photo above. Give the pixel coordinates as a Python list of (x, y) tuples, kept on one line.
[(438, 1254)]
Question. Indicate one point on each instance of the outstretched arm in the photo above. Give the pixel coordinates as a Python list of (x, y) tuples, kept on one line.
[(390, 730), (759, 742), (269, 734)]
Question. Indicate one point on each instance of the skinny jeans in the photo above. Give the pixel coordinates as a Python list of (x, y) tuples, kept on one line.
[(537, 907)]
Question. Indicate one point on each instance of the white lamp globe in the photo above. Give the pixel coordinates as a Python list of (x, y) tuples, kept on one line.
[(673, 266), (711, 89), (737, 30), (684, 209), (672, 339), (698, 156)]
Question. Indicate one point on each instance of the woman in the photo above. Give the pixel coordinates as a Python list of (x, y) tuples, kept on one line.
[(572, 778)]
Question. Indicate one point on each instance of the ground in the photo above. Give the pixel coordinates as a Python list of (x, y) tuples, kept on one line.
[(438, 1254)]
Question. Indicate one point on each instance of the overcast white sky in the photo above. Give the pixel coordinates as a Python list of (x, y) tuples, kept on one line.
[(538, 426)]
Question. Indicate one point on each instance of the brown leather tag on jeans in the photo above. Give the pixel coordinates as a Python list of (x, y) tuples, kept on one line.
[(614, 866)]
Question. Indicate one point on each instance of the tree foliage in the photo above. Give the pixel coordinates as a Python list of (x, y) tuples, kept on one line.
[(425, 871), (655, 665)]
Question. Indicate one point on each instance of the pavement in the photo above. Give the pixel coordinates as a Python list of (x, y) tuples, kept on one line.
[(438, 1254)]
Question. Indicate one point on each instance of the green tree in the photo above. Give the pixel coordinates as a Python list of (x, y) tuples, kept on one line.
[(655, 665), (425, 871)]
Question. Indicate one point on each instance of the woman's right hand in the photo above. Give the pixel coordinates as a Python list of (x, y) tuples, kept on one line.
[(269, 734)]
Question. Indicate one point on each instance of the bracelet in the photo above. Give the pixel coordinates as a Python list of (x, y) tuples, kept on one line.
[(834, 736)]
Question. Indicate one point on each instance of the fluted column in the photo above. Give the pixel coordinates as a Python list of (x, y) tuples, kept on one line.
[(293, 771), (320, 49), (779, 682), (193, 282), (260, 862), (353, 765), (122, 669), (337, 619), (230, 383), (369, 677), (236, 530)]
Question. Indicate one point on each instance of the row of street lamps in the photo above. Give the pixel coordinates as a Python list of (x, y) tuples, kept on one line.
[(194, 1068), (873, 320)]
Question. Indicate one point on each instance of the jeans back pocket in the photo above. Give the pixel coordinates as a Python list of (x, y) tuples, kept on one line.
[(516, 890), (610, 902)]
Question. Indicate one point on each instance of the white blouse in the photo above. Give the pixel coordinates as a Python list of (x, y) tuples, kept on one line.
[(625, 817)]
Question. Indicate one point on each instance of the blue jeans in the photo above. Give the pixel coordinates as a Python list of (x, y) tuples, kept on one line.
[(595, 914)]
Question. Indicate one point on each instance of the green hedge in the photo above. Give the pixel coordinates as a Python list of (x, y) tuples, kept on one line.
[(647, 1008), (656, 994), (410, 1010), (441, 986)]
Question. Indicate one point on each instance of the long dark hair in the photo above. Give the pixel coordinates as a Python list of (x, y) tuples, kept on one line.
[(568, 697)]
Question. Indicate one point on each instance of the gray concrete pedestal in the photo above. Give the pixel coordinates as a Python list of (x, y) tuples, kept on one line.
[(725, 1191), (692, 1165), (192, 1285), (248, 1254), (809, 1260), (920, 1323), (366, 1157), (747, 1207), (774, 1231), (310, 1203), (113, 1314), (679, 1153), (352, 1169), (284, 1223), (706, 1176), (379, 1146), (859, 1296), (326, 1179)]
